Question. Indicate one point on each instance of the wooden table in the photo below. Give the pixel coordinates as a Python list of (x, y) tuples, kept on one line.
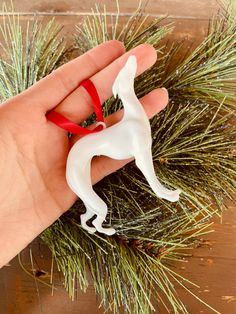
[(212, 266)]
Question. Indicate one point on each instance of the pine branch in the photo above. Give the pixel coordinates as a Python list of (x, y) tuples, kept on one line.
[(28, 56), (193, 148)]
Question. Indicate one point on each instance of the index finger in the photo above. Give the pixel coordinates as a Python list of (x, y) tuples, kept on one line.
[(51, 90)]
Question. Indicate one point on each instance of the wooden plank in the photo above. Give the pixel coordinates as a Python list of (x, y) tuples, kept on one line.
[(199, 9), (212, 266), (21, 294), (181, 30)]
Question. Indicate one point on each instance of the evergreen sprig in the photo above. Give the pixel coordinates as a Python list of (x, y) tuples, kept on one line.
[(193, 149), (27, 56)]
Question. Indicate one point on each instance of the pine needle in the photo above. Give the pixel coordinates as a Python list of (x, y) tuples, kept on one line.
[(193, 148), (27, 57)]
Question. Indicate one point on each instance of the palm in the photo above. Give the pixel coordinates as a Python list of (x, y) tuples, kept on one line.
[(37, 153), (52, 153)]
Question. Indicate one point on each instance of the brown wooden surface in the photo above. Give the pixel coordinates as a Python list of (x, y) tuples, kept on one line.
[(199, 9), (212, 266)]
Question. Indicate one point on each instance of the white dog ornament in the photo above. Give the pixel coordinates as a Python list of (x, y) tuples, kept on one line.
[(131, 137)]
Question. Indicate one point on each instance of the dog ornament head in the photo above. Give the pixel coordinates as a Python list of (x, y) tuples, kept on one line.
[(125, 77)]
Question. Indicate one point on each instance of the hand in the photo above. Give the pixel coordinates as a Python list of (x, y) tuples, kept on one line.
[(33, 151)]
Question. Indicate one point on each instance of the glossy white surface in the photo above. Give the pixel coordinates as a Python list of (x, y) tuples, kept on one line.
[(131, 137)]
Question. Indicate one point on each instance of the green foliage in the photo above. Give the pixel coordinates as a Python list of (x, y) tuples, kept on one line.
[(208, 73), (194, 148), (27, 57), (125, 270)]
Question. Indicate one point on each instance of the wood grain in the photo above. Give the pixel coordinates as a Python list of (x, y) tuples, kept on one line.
[(199, 9), (212, 265)]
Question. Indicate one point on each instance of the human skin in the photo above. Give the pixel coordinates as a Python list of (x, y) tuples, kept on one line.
[(33, 151)]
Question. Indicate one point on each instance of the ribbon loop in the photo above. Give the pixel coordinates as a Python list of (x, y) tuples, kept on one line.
[(74, 128)]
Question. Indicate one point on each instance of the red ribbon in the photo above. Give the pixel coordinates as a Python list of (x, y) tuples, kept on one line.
[(72, 127)]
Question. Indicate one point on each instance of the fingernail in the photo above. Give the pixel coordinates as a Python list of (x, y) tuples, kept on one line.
[(164, 89)]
